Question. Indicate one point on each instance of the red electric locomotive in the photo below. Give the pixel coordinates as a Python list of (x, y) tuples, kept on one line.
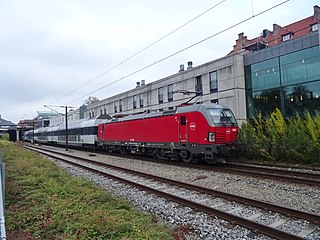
[(191, 133)]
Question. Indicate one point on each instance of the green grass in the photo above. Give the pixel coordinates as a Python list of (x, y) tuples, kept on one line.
[(44, 202)]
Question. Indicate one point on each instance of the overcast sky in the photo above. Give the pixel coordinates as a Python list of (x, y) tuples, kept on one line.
[(50, 48)]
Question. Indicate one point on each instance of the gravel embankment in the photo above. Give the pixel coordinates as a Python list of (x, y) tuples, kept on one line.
[(304, 198)]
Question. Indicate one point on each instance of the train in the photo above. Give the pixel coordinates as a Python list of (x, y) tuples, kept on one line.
[(199, 132)]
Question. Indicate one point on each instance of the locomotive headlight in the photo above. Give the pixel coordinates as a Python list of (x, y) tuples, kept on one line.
[(212, 137)]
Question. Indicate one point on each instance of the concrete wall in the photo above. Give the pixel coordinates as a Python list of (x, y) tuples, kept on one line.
[(231, 90)]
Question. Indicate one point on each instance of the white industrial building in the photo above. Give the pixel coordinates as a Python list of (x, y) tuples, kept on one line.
[(219, 81)]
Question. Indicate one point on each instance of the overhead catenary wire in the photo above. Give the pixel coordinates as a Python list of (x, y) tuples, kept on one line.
[(182, 50), (140, 51)]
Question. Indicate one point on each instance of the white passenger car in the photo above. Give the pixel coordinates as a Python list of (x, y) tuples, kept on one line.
[(81, 133)]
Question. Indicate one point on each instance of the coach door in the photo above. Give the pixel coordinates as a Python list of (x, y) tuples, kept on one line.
[(183, 130)]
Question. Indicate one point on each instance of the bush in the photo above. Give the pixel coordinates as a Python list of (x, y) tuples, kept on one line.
[(5, 137), (279, 139), (275, 131)]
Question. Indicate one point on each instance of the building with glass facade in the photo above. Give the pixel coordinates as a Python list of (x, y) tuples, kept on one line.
[(278, 69), (285, 76)]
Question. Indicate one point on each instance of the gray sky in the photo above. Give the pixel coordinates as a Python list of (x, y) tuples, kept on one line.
[(49, 48)]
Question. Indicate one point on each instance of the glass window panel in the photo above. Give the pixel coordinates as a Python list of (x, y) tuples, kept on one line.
[(300, 55), (265, 75), (213, 81), (120, 105), (264, 65), (141, 100), (263, 102), (198, 85), (183, 120), (313, 68), (264, 79), (248, 78), (294, 73), (222, 116), (160, 95), (314, 27), (286, 37), (304, 70), (170, 92), (302, 97), (134, 102), (115, 107)]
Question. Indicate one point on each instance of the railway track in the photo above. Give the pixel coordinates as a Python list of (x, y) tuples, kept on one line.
[(288, 175), (246, 212), (278, 174), (282, 174)]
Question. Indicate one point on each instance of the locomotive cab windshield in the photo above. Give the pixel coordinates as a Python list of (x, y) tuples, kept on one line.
[(222, 116)]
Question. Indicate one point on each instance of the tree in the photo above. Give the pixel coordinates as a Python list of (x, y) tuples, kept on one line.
[(91, 100)]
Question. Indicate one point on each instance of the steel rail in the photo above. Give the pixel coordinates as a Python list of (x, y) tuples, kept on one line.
[(274, 170), (311, 179), (273, 174), (247, 201), (279, 234), (282, 175)]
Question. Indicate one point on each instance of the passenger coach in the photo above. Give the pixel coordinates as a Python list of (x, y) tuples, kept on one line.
[(81, 133)]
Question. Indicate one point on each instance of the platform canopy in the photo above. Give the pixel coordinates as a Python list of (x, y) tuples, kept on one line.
[(6, 124)]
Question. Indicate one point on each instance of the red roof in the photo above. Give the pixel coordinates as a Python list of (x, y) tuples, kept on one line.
[(296, 29), (274, 37)]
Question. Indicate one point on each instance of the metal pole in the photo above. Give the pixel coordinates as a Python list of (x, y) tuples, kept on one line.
[(33, 132), (66, 128), (2, 176), (3, 167), (2, 198)]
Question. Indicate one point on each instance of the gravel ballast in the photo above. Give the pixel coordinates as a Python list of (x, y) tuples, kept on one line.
[(202, 226)]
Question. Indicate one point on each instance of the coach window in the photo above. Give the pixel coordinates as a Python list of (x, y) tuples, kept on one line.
[(183, 121)]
